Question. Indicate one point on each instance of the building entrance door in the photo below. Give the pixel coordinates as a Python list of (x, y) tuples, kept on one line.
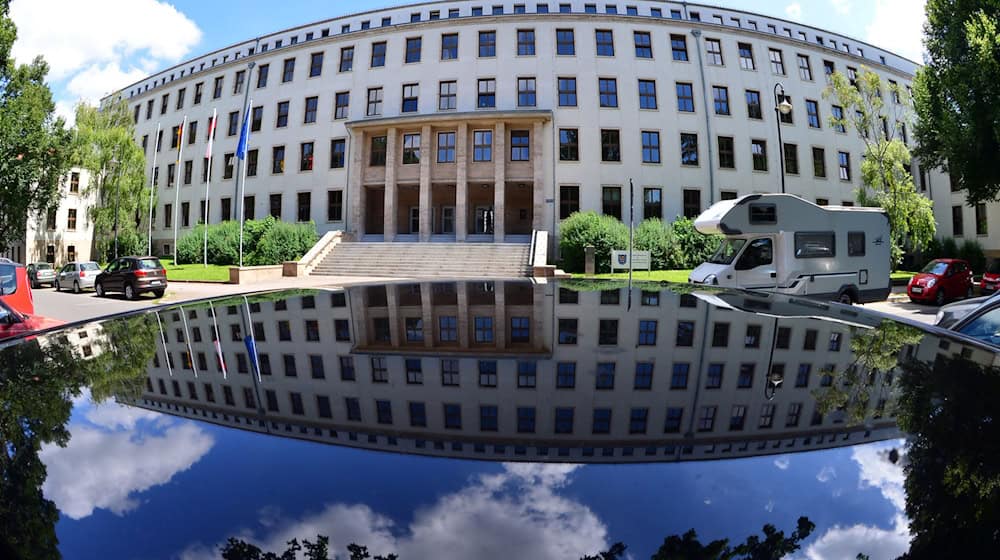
[(448, 219), (484, 219)]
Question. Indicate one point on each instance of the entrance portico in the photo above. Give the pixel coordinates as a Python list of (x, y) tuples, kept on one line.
[(464, 177)]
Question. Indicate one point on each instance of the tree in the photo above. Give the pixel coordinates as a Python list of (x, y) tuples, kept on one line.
[(886, 180), (957, 95), (775, 545), (34, 144), (105, 146), (238, 549)]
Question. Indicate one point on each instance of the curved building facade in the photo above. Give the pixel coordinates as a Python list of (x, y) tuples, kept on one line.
[(483, 121)]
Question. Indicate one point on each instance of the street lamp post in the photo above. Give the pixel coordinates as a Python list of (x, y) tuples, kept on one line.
[(781, 107)]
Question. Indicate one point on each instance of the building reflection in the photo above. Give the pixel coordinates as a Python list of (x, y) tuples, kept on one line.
[(520, 371)]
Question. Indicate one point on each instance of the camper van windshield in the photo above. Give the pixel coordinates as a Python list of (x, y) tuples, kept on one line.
[(727, 251)]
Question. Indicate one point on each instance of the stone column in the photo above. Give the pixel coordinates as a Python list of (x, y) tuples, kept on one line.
[(499, 179), (357, 302), (425, 183), (538, 314), (427, 311), (356, 184), (389, 214), (392, 303), (462, 290), (499, 316), (462, 181), (540, 186)]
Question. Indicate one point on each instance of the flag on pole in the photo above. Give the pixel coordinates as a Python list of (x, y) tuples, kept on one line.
[(241, 148), (211, 134), (217, 343), (180, 140)]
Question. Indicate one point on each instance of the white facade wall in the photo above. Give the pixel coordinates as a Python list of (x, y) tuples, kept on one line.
[(64, 241)]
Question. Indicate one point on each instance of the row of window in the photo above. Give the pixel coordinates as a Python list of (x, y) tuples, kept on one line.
[(303, 209), (957, 220)]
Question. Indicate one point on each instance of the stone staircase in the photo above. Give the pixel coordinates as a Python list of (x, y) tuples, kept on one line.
[(427, 260)]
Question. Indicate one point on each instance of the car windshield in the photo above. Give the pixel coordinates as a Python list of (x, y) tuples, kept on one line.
[(727, 251), (89, 266), (43, 266), (935, 267), (150, 264)]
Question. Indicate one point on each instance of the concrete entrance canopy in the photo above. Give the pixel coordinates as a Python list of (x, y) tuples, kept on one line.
[(480, 175)]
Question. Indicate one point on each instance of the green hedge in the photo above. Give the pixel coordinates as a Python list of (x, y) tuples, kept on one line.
[(266, 241), (675, 245), (948, 248)]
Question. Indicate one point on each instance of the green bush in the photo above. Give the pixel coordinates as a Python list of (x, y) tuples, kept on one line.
[(972, 252), (266, 241), (657, 237), (949, 249), (693, 247), (130, 242), (581, 229)]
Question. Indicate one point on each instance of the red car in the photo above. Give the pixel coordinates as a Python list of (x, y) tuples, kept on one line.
[(14, 323), (991, 279), (941, 280), (15, 290)]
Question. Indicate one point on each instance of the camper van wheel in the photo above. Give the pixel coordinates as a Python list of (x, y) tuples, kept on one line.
[(845, 298)]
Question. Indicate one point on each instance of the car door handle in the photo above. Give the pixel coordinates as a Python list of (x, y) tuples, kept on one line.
[(774, 275)]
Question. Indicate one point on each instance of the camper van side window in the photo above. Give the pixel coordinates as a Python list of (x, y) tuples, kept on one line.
[(855, 244), (763, 214), (815, 245)]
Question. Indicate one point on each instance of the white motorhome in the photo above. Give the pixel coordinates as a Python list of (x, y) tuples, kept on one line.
[(780, 242)]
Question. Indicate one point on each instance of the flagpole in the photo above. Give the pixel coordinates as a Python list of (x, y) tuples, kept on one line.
[(177, 180), (242, 154), (152, 191), (187, 342), (208, 181), (163, 341), (631, 223), (217, 342)]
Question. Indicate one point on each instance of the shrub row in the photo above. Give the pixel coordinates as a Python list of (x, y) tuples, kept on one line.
[(948, 248), (675, 245), (266, 241)]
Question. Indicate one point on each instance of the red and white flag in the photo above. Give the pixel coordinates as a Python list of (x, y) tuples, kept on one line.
[(211, 134)]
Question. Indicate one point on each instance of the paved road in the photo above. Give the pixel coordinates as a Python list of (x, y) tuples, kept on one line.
[(924, 313)]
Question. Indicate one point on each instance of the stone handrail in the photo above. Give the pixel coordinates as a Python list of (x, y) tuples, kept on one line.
[(311, 259)]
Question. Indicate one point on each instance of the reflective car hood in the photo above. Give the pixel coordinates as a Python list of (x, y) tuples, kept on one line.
[(922, 278)]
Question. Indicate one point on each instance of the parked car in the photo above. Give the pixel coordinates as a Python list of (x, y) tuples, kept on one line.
[(14, 323), (41, 273), (77, 276), (15, 290), (941, 280), (978, 318), (132, 276), (991, 279), (953, 313)]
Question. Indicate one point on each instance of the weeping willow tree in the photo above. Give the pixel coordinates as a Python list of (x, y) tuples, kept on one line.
[(886, 180), (105, 146)]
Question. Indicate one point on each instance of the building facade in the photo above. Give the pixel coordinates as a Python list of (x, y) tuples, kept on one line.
[(483, 121), (64, 233)]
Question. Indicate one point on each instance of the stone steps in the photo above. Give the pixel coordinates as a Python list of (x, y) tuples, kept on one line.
[(427, 260)]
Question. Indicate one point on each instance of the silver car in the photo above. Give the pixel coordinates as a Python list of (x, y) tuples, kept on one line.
[(77, 276)]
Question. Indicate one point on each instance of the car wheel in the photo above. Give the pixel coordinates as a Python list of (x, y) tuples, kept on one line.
[(129, 292), (845, 298), (58, 287), (939, 298), (99, 289), (158, 293), (76, 287)]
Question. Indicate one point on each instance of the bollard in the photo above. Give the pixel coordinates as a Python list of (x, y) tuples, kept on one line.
[(588, 260)]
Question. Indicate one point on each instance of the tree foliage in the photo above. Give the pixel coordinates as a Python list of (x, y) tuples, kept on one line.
[(34, 143), (957, 95), (238, 549), (105, 146), (886, 180)]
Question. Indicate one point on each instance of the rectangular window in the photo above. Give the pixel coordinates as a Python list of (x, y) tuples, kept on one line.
[(812, 245), (685, 97), (567, 92), (413, 46), (316, 61), (526, 42), (569, 144), (341, 104), (678, 47), (312, 104), (484, 330), (644, 45), (487, 373), (652, 203), (713, 48), (278, 159), (487, 94), (689, 149), (982, 226), (487, 44), (714, 379), (377, 152), (565, 42), (569, 200), (607, 332), (720, 95), (602, 421), (274, 203), (334, 206), (346, 60), (608, 92), (758, 149), (679, 376), (692, 204), (374, 108), (844, 161), (304, 206), (611, 201), (281, 120), (651, 147), (482, 145), (605, 42), (411, 148), (777, 62), (525, 92), (746, 56), (753, 105), (672, 424), (447, 96), (805, 70), (839, 124), (812, 113), (446, 147), (685, 333), (647, 333), (338, 153), (706, 421), (256, 118), (520, 149), (411, 97), (727, 153), (819, 162), (791, 159), (288, 70), (610, 145), (449, 46), (647, 94)]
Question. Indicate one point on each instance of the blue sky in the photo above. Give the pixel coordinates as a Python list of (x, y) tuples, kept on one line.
[(98, 46)]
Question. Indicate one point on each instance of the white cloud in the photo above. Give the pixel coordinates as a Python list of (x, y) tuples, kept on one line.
[(114, 416), (794, 11), (769, 506), (102, 469), (96, 81), (826, 474), (517, 513), (782, 463), (897, 25), (842, 7), (875, 471)]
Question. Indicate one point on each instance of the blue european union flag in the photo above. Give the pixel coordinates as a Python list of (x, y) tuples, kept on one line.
[(241, 148)]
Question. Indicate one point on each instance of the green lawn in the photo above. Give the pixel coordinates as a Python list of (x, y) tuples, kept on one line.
[(902, 275), (677, 276), (196, 272)]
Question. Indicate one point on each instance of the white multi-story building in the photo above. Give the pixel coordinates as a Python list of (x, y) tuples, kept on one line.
[(512, 370), (474, 120), (65, 233)]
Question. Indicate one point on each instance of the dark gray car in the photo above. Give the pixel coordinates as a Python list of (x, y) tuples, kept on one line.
[(41, 273)]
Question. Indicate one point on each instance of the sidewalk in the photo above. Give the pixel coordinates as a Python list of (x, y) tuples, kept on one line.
[(184, 291)]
